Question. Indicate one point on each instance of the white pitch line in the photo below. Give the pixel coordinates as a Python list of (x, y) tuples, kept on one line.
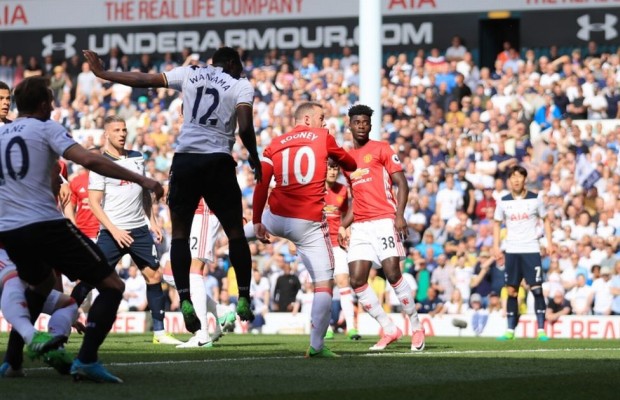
[(377, 354), (474, 352)]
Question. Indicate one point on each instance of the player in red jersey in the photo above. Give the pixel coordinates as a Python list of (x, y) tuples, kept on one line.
[(298, 161), (78, 209), (336, 206), (377, 226)]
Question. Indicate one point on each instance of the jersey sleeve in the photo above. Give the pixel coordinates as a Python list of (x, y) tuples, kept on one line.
[(58, 137), (96, 181), (390, 160), (176, 77), (245, 95), (498, 215)]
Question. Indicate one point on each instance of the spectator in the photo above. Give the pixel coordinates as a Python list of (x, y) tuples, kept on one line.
[(456, 51), (557, 306)]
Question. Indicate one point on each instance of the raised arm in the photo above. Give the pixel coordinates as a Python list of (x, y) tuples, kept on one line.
[(133, 79), (105, 167)]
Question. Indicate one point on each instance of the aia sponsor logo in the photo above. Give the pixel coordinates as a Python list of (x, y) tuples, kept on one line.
[(519, 216)]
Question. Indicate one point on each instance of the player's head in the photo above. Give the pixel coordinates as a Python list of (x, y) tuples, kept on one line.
[(333, 169), (228, 58), (310, 114), (516, 176), (5, 100), (115, 132), (360, 123), (33, 97)]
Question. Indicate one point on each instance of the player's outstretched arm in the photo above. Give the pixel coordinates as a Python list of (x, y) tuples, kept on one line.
[(103, 166), (340, 155), (133, 79)]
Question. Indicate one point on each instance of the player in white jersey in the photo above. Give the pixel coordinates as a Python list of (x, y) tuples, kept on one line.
[(122, 207), (520, 211), (34, 143), (215, 100), (63, 311)]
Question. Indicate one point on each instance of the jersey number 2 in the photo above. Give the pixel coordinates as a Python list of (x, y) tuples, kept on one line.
[(216, 100), (16, 175), (300, 177)]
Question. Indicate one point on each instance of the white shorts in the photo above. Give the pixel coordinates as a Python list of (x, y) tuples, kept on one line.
[(203, 236), (311, 239), (374, 241), (340, 261), (14, 290)]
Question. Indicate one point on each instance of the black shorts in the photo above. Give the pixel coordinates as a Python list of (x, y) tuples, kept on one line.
[(142, 250), (211, 176), (523, 266), (38, 248)]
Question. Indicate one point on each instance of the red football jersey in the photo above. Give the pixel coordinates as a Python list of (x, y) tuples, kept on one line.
[(84, 217), (336, 205), (298, 161), (371, 182)]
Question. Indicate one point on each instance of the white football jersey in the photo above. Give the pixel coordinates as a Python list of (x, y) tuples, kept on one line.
[(122, 200), (29, 148), (521, 217), (210, 98)]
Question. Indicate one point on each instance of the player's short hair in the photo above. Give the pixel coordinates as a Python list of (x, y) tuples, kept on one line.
[(4, 86), (306, 108), (111, 119), (517, 169), (30, 93), (224, 55), (331, 163), (360, 109)]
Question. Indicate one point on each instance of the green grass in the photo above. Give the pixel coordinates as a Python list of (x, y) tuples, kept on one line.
[(272, 367)]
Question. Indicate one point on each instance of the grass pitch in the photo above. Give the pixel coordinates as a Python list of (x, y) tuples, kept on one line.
[(273, 367)]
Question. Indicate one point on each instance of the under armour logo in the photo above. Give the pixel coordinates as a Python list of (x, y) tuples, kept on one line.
[(66, 46), (608, 27)]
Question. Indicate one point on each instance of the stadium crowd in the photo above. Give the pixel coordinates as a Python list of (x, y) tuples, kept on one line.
[(456, 126)]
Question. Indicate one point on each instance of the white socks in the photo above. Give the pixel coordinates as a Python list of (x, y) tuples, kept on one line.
[(15, 309), (403, 292), (348, 308), (62, 319), (319, 317), (370, 302), (199, 299)]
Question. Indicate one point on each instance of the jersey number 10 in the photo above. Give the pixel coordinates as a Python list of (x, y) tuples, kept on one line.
[(16, 175), (300, 177)]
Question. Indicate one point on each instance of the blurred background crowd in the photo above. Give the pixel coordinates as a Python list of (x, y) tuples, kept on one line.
[(456, 127)]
